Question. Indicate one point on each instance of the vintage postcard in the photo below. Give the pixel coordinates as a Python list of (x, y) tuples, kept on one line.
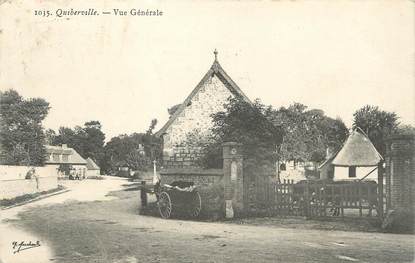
[(207, 131)]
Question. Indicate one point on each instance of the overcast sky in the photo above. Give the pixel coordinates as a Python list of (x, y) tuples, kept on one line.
[(124, 71)]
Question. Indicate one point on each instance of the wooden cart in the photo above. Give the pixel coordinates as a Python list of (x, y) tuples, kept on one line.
[(179, 199)]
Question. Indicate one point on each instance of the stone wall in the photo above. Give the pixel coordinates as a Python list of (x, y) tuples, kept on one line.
[(194, 119), (13, 188), (200, 177), (11, 172), (182, 156), (14, 184)]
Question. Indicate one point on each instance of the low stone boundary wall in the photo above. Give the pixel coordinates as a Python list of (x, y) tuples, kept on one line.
[(11, 172), (14, 184), (210, 186), (201, 177), (13, 188)]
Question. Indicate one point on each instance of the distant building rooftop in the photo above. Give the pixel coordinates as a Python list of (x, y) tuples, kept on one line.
[(357, 151), (91, 165), (63, 155)]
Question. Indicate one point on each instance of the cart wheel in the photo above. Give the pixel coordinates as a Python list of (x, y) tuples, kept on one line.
[(196, 205), (164, 205)]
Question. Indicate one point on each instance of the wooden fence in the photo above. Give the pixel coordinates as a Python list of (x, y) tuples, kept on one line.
[(311, 198)]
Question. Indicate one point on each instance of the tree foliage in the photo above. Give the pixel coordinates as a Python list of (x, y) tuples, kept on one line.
[(50, 136), (94, 140), (377, 124), (308, 133), (300, 134), (406, 129), (22, 135), (135, 151), (248, 124)]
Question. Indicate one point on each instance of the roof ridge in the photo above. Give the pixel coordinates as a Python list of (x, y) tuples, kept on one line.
[(90, 164), (215, 68), (371, 143), (358, 150)]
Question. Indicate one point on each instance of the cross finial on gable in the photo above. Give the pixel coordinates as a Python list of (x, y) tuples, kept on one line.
[(216, 54)]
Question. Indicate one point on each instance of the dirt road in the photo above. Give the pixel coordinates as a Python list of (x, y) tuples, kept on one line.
[(79, 191), (109, 229)]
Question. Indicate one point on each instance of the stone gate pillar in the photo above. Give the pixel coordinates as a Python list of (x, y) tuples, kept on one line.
[(233, 178), (400, 172)]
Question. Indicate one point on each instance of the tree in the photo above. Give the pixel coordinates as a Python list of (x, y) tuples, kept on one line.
[(248, 124), (116, 151), (22, 137), (406, 129), (323, 132), (135, 151), (152, 144), (50, 136), (377, 124), (93, 140), (294, 123), (74, 138), (136, 160), (308, 133)]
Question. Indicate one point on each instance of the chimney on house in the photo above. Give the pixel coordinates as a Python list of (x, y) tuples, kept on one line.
[(64, 145)]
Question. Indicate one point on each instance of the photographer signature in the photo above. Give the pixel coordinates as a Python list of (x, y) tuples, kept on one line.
[(23, 245)]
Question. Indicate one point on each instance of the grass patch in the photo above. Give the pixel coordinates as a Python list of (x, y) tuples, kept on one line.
[(27, 197), (338, 224)]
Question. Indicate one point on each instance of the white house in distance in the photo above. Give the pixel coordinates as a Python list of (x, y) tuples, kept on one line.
[(66, 160), (357, 160), (92, 168)]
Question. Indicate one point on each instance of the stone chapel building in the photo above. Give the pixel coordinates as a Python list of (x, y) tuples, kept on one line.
[(193, 117)]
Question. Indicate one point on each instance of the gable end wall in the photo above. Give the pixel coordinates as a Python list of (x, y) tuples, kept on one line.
[(196, 117)]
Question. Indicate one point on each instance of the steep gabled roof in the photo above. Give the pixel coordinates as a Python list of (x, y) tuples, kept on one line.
[(357, 151), (74, 158), (215, 69), (91, 165)]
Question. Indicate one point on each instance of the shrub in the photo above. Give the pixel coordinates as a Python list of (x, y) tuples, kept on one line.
[(399, 221), (246, 123)]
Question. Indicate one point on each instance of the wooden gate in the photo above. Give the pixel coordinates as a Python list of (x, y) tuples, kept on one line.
[(265, 197), (258, 192)]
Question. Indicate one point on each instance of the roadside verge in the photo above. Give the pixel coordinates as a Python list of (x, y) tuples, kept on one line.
[(19, 201)]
